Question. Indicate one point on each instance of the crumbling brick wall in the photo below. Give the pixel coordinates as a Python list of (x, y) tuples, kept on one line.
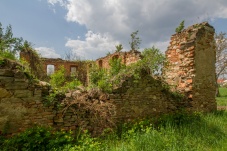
[(21, 100), (80, 67), (127, 58), (190, 71), (72, 68), (191, 66)]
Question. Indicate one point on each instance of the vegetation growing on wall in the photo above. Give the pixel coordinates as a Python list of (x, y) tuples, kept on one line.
[(151, 62), (33, 59), (135, 41), (180, 27)]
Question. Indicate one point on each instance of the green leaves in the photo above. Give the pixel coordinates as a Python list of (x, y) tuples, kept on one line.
[(180, 27), (119, 48), (8, 43), (152, 60), (135, 41), (58, 78)]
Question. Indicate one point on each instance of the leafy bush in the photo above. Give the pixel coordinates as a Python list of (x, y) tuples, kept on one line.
[(72, 84), (57, 79), (84, 142), (151, 62), (37, 138), (116, 66), (99, 77), (7, 54), (54, 98)]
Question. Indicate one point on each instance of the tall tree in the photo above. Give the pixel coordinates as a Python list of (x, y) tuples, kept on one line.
[(118, 48), (221, 56), (8, 43), (135, 41), (180, 27)]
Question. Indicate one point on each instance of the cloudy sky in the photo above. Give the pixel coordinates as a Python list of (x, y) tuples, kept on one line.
[(91, 28)]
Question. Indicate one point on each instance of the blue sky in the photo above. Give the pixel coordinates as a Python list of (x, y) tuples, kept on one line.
[(91, 28)]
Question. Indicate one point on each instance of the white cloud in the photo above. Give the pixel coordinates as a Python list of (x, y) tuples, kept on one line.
[(161, 45), (94, 45), (47, 52), (53, 2), (155, 20)]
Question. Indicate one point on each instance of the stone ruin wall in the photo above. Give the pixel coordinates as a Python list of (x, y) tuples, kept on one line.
[(127, 58), (190, 71), (20, 100), (22, 104), (191, 66), (80, 66)]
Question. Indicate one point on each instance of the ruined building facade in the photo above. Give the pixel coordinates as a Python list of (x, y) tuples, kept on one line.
[(127, 58), (190, 71), (191, 66)]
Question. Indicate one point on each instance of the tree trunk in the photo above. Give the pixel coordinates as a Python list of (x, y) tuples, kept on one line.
[(217, 94)]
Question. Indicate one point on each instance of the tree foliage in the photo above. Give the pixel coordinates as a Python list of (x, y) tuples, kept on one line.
[(32, 58), (135, 41), (180, 27), (152, 60), (57, 79), (9, 45), (115, 66), (119, 48)]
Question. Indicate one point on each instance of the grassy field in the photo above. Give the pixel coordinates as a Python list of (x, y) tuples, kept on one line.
[(222, 100), (181, 133)]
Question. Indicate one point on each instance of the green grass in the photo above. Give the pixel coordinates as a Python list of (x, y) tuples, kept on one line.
[(180, 132), (197, 132), (222, 100)]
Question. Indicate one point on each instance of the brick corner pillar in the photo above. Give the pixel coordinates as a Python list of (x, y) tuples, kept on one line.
[(190, 69)]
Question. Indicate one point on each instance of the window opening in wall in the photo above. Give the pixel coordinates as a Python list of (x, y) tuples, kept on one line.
[(73, 70), (100, 63), (50, 69)]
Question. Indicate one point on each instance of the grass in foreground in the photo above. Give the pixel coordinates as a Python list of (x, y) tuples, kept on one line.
[(222, 100), (182, 132), (172, 133)]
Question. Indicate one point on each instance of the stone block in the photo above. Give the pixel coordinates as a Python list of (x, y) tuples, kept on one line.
[(60, 120), (16, 86), (19, 75), (6, 72), (5, 93), (12, 100), (23, 93), (4, 79)]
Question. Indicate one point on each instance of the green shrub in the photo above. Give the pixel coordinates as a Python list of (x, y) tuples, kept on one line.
[(54, 98), (37, 138), (99, 77), (116, 66), (84, 142), (57, 79), (7, 54), (72, 84)]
